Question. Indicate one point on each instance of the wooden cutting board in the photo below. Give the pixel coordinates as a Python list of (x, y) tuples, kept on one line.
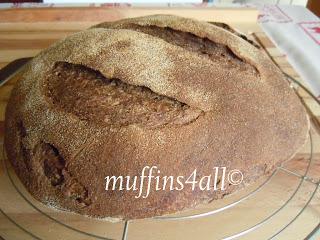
[(25, 32)]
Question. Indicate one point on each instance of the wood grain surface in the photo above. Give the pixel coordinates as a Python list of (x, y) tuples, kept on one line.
[(24, 33)]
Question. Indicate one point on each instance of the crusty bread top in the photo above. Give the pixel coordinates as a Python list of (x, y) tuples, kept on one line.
[(191, 78), (141, 59)]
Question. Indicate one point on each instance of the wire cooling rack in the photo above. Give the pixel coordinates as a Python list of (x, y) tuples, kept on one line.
[(68, 224)]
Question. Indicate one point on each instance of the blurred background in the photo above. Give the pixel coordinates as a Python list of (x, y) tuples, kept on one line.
[(313, 5), (241, 2), (227, 2)]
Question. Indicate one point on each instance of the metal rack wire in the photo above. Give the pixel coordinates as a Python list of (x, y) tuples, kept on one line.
[(302, 178)]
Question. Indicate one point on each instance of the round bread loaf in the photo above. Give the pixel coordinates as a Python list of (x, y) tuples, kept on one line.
[(161, 91)]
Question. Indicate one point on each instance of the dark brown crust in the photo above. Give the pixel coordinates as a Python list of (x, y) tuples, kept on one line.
[(111, 102), (230, 29), (251, 122)]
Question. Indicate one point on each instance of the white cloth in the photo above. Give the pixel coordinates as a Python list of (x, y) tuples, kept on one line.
[(296, 32)]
